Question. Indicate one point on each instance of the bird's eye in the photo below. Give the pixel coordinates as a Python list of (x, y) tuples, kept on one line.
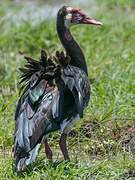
[(76, 17), (79, 17)]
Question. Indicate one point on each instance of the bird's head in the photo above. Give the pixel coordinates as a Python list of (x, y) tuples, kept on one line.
[(74, 16)]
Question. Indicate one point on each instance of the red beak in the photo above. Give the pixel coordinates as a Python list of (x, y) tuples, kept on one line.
[(89, 20)]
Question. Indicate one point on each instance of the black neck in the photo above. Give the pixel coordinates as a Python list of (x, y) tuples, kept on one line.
[(70, 45)]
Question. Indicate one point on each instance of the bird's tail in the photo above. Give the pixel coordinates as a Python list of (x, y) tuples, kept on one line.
[(22, 163)]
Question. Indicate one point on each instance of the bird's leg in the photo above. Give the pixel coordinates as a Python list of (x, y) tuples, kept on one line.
[(63, 146), (48, 150)]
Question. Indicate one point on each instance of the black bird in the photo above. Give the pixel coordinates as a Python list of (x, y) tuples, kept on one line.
[(55, 92)]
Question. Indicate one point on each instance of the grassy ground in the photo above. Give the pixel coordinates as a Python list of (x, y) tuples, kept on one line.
[(102, 145)]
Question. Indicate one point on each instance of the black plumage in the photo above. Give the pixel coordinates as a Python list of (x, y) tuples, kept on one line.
[(55, 92)]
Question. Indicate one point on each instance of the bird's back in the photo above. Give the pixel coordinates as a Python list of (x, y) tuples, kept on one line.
[(52, 94)]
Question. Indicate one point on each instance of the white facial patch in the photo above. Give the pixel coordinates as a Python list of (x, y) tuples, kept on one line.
[(69, 9), (67, 21), (67, 125)]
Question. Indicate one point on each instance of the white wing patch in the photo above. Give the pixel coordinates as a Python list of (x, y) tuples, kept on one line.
[(67, 125), (23, 162)]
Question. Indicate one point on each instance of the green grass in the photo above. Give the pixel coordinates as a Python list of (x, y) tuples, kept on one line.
[(96, 144)]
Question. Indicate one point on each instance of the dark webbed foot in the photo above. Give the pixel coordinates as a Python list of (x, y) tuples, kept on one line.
[(63, 146)]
